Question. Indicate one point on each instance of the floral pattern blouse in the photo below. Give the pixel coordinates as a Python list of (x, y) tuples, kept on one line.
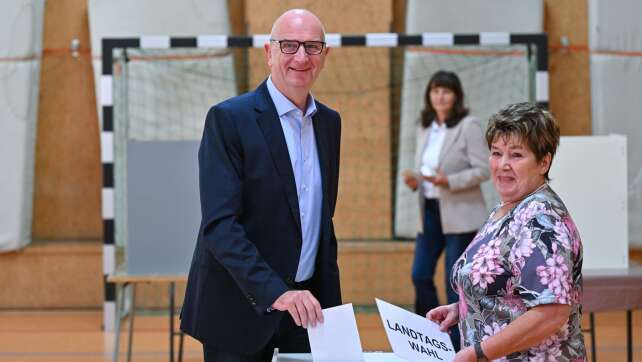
[(529, 257)]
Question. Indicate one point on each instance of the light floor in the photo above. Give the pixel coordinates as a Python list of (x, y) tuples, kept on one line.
[(71, 336)]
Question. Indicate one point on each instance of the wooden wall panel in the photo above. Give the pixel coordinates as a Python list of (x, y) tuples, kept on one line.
[(61, 274), (354, 82), (569, 83), (68, 176)]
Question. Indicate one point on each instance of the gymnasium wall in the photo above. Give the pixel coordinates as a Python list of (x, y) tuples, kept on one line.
[(68, 177), (67, 190)]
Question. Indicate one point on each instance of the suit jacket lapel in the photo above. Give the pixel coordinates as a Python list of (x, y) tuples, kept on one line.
[(270, 125)]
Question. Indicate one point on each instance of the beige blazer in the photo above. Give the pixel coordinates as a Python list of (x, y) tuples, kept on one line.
[(464, 160)]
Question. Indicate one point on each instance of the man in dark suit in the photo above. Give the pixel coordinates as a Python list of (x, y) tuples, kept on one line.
[(266, 257)]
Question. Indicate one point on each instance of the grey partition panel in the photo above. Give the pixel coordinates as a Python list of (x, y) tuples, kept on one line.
[(616, 84), (163, 209), (21, 24), (471, 16)]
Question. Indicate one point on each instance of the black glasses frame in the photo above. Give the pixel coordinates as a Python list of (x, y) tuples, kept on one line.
[(306, 46)]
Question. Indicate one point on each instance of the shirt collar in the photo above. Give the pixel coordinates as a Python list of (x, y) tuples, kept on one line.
[(284, 105), (438, 127)]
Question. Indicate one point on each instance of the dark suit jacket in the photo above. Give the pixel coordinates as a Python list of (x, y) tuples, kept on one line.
[(249, 240)]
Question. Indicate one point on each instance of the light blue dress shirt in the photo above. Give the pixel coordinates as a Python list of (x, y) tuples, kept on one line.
[(302, 147)]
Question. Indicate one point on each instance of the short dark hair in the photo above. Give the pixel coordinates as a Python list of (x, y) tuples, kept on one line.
[(451, 81), (534, 126)]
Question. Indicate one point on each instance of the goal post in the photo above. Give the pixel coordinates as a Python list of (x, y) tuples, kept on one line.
[(159, 88)]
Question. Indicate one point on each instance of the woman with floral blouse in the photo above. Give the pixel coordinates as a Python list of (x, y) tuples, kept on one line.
[(520, 280)]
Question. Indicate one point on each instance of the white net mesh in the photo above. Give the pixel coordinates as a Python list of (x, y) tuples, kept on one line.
[(491, 77), (163, 94)]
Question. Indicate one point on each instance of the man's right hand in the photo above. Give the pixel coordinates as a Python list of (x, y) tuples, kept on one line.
[(304, 308)]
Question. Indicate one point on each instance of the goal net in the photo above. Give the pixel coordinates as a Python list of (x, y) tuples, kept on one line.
[(164, 95)]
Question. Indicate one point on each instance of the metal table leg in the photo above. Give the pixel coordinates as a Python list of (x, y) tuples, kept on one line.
[(181, 336), (120, 297), (132, 313), (172, 287), (593, 347), (629, 336)]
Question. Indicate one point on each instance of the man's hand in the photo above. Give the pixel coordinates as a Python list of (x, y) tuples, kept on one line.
[(302, 306)]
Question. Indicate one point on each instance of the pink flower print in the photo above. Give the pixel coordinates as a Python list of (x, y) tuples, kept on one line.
[(546, 354), (562, 234), (515, 305), (462, 306), (522, 217), (522, 249), (531, 210), (514, 228), (489, 227), (485, 267), (550, 349), (492, 329), (576, 296), (509, 288), (555, 275), (574, 234), (577, 245), (512, 302)]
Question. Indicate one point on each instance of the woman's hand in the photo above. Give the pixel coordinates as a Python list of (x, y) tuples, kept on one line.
[(439, 179), (446, 316), (466, 355), (410, 180)]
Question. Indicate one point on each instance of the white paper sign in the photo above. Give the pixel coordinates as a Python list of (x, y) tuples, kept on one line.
[(367, 357), (337, 338), (413, 337)]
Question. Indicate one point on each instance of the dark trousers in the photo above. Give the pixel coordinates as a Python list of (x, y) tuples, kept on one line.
[(288, 338), (428, 249)]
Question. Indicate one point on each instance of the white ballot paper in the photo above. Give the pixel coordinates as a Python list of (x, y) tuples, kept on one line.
[(413, 337), (337, 338)]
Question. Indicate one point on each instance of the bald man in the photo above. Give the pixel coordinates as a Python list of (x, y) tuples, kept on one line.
[(265, 262)]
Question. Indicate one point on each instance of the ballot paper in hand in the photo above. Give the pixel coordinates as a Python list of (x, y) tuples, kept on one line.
[(413, 337), (337, 338)]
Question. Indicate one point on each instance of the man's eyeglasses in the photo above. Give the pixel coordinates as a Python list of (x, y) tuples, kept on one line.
[(292, 46)]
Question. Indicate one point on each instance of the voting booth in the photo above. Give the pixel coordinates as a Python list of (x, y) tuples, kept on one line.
[(412, 338)]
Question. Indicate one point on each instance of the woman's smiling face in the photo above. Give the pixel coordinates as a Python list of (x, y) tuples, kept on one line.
[(514, 168)]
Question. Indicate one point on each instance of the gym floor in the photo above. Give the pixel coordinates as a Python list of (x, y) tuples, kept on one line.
[(71, 336)]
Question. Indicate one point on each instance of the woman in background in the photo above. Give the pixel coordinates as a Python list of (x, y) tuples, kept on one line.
[(520, 280), (450, 164)]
